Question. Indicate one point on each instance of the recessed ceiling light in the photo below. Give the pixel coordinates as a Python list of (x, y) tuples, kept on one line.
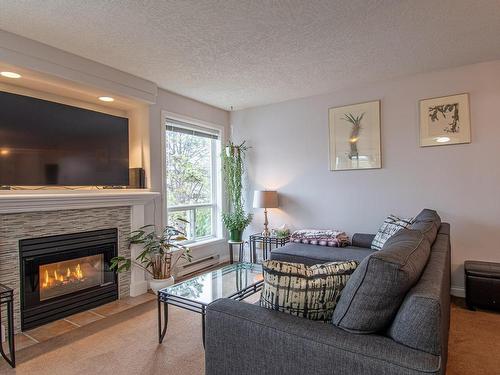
[(10, 75), (106, 99), (442, 139), (4, 151)]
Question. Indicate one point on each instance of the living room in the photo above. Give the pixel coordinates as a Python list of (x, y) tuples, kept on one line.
[(210, 187)]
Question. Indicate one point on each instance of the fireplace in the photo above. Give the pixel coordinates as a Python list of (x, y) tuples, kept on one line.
[(65, 274)]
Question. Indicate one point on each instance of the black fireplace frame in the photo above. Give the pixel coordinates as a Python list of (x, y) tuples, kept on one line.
[(35, 252)]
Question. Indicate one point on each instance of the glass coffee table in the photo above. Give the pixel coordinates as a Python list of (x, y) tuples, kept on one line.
[(236, 281)]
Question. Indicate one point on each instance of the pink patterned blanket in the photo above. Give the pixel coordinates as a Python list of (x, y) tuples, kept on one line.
[(332, 238)]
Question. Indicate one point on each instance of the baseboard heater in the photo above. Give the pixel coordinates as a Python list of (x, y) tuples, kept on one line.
[(198, 264)]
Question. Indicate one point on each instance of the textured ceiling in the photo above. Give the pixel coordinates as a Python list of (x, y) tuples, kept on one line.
[(245, 53)]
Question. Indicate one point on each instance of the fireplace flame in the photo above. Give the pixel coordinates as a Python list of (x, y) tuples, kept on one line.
[(60, 277), (79, 273), (47, 280)]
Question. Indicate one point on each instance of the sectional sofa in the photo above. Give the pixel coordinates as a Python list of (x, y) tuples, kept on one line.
[(243, 338)]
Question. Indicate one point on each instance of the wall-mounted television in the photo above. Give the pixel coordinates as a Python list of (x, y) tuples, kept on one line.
[(44, 143)]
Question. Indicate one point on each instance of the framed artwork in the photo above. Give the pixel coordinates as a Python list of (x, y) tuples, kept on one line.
[(445, 120), (355, 136)]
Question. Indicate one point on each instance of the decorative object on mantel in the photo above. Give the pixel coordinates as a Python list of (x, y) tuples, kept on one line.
[(235, 219), (265, 199), (355, 136), (445, 120), (159, 255)]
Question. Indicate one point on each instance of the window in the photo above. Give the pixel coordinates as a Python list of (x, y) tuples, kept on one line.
[(192, 154)]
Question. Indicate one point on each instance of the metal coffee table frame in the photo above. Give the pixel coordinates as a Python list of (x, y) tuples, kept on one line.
[(166, 299), (7, 298)]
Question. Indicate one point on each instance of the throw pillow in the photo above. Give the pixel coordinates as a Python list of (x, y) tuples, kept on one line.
[(307, 292), (428, 222), (392, 224), (332, 238), (375, 291)]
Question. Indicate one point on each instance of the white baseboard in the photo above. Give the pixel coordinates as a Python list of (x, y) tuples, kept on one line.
[(136, 289), (457, 291)]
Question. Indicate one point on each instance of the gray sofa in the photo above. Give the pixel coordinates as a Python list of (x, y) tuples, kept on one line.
[(243, 338)]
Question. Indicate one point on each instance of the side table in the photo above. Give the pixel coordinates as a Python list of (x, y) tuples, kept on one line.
[(268, 243), (7, 298), (241, 246)]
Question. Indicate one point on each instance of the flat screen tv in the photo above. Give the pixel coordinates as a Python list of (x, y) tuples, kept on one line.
[(43, 143)]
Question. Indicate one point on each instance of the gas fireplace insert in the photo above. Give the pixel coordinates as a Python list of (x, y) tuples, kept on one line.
[(65, 274)]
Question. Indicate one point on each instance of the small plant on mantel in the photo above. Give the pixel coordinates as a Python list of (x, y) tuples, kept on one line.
[(160, 253)]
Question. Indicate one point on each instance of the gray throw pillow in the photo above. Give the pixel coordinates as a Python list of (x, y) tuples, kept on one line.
[(375, 291), (427, 222), (307, 292)]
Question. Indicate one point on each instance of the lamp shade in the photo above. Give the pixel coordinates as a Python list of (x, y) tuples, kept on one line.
[(265, 199)]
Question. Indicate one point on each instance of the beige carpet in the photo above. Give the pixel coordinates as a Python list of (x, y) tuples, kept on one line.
[(474, 346), (126, 343)]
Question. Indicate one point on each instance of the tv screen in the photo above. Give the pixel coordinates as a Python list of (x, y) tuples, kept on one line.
[(45, 143)]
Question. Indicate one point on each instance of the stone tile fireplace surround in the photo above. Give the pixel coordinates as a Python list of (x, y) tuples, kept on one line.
[(31, 216)]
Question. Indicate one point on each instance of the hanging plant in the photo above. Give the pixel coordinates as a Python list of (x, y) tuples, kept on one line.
[(235, 220)]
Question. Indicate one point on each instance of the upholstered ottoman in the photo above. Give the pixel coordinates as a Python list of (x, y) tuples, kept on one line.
[(482, 284)]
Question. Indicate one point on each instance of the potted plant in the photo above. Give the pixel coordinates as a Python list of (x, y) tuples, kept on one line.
[(236, 222), (159, 255), (235, 219)]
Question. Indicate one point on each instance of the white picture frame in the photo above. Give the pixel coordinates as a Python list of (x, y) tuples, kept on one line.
[(445, 120), (355, 136)]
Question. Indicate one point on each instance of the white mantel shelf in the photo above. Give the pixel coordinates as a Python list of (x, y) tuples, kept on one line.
[(13, 202)]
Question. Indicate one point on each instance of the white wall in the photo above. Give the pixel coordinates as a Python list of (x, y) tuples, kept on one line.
[(462, 182)]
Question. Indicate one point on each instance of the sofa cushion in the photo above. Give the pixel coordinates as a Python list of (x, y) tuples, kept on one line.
[(372, 297), (391, 225), (306, 292), (362, 240), (312, 254), (427, 222), (422, 315)]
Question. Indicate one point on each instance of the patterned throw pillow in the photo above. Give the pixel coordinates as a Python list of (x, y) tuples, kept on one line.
[(332, 238), (307, 292), (392, 224)]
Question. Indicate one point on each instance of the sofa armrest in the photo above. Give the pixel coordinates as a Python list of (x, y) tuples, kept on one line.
[(242, 338), (362, 240)]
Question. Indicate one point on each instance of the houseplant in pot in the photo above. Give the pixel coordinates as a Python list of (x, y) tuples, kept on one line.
[(159, 255), (235, 219), (236, 222)]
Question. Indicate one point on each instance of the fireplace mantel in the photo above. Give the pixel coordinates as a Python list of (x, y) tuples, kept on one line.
[(14, 202)]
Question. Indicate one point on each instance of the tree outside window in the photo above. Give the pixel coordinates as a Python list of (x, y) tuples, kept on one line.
[(191, 180)]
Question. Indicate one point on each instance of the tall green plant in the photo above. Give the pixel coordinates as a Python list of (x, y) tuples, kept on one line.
[(233, 157)]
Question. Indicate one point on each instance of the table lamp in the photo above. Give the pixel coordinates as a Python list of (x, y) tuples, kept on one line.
[(265, 199)]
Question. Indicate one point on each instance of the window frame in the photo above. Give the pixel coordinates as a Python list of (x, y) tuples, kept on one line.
[(217, 199)]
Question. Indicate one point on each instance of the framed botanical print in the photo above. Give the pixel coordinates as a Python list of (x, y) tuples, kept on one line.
[(445, 120), (355, 136)]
